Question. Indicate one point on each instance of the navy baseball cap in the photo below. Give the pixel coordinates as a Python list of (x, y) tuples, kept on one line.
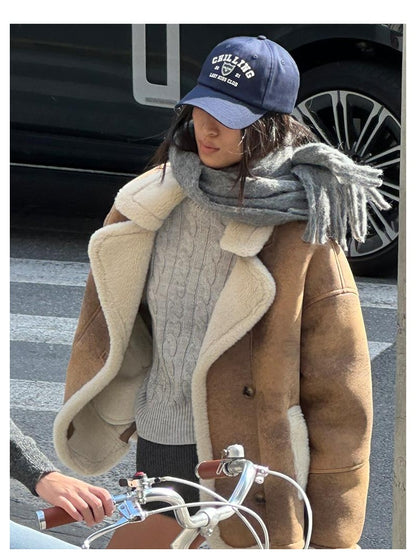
[(242, 79)]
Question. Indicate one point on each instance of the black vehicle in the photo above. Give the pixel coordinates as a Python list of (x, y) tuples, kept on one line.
[(89, 104)]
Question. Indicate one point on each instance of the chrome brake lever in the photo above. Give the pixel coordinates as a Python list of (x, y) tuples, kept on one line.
[(130, 512)]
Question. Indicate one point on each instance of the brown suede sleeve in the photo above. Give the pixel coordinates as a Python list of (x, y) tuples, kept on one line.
[(336, 398)]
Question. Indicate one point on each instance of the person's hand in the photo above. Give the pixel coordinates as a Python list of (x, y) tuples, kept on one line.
[(79, 499)]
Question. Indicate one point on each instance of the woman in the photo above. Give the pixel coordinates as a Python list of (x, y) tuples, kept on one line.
[(220, 308)]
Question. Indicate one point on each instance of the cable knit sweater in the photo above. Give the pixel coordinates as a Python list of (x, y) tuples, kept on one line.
[(188, 271)]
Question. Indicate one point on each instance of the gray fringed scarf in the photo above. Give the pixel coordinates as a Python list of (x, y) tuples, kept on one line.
[(315, 182)]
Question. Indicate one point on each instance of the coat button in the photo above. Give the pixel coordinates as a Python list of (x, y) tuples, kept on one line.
[(249, 391), (260, 497)]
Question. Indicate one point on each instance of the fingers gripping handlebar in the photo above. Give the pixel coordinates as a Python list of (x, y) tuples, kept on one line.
[(52, 517)]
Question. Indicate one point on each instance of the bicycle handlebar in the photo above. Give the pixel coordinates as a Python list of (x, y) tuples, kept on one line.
[(208, 516), (51, 517)]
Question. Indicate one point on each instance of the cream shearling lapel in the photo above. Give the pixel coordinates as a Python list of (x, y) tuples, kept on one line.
[(148, 200), (245, 240), (119, 271)]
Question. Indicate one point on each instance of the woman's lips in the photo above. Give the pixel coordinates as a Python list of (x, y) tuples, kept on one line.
[(207, 149)]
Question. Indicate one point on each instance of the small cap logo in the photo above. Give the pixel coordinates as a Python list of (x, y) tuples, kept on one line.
[(227, 68)]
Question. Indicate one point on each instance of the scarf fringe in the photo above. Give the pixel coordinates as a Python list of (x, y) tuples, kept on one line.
[(338, 192)]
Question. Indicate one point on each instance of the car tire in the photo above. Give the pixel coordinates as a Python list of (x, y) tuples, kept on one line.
[(368, 97)]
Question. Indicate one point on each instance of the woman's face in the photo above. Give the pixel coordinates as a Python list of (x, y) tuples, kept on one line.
[(218, 146)]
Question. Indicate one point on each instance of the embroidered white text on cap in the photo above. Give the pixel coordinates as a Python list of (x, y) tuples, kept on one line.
[(230, 62)]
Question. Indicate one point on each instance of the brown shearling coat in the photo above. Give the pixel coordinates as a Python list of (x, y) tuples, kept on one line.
[(284, 368)]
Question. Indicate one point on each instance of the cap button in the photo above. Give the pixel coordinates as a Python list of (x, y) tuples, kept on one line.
[(262, 37)]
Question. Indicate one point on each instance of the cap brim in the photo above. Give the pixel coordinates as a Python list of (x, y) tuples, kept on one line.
[(231, 112)]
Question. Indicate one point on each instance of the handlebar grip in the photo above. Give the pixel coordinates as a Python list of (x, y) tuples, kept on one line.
[(52, 517), (210, 469)]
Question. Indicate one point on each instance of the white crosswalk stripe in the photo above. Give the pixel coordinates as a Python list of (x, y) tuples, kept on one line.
[(42, 329), (377, 295), (36, 395), (49, 272)]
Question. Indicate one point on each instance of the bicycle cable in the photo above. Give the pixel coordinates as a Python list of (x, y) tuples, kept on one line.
[(224, 500), (273, 473)]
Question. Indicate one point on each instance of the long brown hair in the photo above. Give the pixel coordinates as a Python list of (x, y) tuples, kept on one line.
[(269, 133)]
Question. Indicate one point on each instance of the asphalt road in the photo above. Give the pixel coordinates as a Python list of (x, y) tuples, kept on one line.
[(48, 269)]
